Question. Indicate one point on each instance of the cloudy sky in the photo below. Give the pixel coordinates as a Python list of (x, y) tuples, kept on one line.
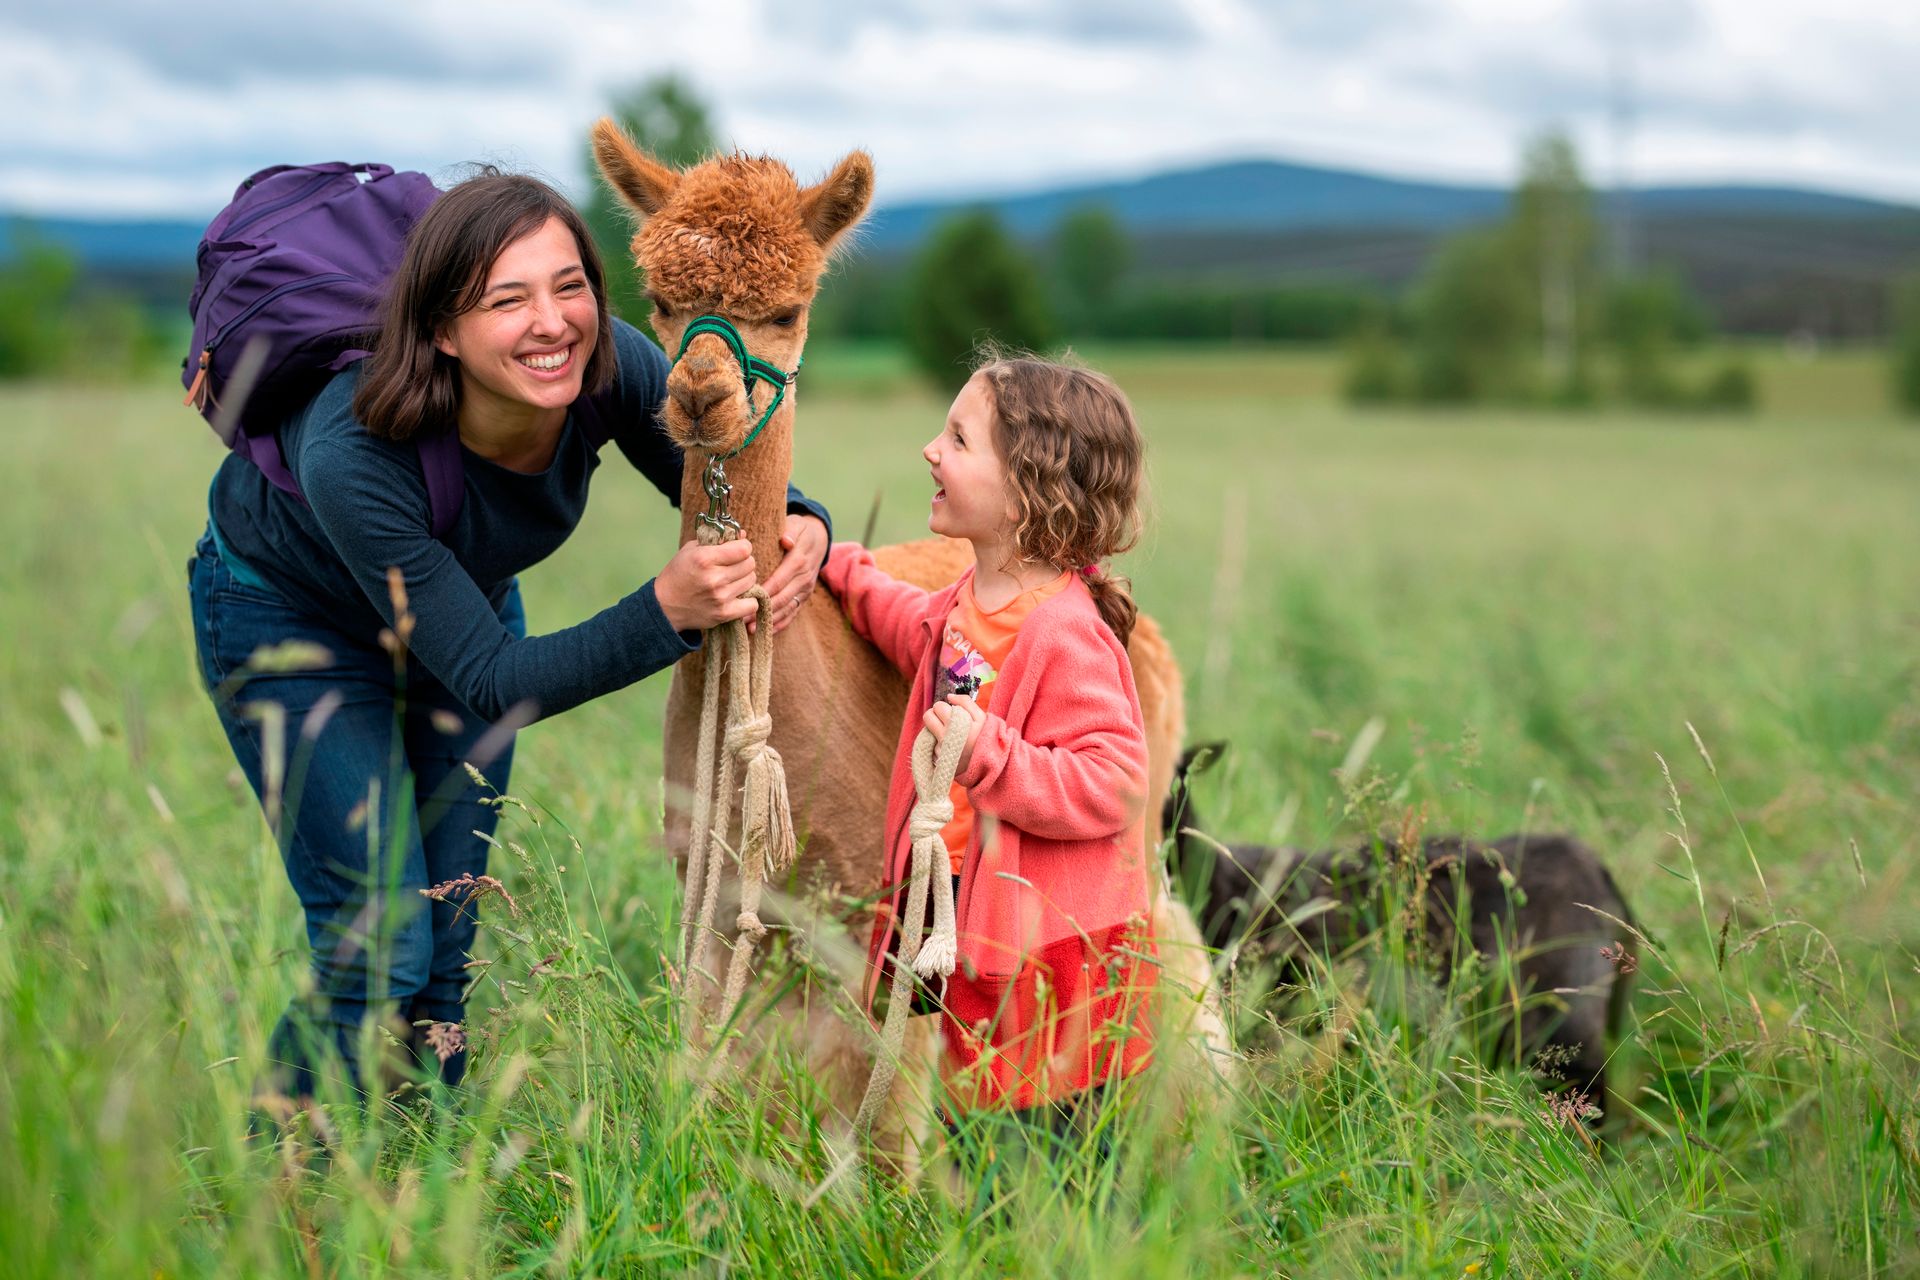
[(128, 107)]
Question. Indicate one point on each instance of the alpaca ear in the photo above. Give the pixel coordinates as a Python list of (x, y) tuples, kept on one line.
[(1199, 758), (833, 205), (636, 177)]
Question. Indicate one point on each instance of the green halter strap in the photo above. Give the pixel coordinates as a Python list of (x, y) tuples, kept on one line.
[(752, 369), (718, 516)]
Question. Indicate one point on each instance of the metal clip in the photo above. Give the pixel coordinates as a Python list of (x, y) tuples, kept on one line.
[(718, 514)]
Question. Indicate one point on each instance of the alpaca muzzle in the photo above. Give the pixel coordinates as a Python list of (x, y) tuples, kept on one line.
[(702, 379), (746, 367)]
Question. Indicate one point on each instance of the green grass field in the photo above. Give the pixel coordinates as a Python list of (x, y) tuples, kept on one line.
[(1535, 607)]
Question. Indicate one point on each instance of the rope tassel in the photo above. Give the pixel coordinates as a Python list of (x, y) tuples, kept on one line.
[(773, 833), (939, 954), (932, 811), (767, 840)]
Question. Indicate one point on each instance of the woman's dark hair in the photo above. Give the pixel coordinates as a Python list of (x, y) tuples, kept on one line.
[(408, 387)]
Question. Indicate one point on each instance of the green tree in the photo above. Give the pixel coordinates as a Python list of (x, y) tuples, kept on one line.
[(1551, 227), (110, 336), (971, 284), (665, 117), (859, 299), (1730, 388), (1090, 255), (1471, 321), (1647, 319), (1906, 344), (36, 294), (1375, 371), (1502, 310)]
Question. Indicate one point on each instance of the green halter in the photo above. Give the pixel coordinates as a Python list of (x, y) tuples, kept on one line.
[(717, 516), (752, 368)]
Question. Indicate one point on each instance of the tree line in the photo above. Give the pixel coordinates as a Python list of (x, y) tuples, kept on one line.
[(1525, 311), (56, 323), (1519, 312)]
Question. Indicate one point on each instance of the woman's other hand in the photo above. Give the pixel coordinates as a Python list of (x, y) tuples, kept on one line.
[(702, 587), (805, 541)]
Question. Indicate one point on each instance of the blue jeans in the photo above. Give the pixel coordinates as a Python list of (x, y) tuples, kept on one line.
[(362, 779)]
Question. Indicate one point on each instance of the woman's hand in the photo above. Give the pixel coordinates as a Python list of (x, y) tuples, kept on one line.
[(791, 583), (939, 719), (703, 587)]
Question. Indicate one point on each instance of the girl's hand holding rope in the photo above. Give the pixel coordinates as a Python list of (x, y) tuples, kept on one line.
[(941, 714)]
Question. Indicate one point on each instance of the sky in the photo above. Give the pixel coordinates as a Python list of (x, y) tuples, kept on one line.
[(130, 108)]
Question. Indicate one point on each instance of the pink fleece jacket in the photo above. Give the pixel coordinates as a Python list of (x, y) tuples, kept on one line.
[(1060, 768)]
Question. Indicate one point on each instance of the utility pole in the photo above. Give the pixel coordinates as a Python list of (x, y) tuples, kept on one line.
[(1620, 118), (1558, 237)]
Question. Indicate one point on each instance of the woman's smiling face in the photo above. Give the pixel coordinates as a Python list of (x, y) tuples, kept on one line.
[(528, 339)]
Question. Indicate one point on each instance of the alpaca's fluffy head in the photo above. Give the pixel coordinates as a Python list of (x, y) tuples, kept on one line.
[(736, 236)]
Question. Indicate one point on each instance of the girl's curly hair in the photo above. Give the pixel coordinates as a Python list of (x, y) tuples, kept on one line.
[(1074, 459)]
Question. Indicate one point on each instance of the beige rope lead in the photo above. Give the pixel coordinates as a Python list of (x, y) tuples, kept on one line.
[(768, 843), (706, 847), (933, 772), (694, 922)]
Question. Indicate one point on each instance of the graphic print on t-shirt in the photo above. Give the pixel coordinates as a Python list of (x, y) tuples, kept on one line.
[(962, 669), (974, 645)]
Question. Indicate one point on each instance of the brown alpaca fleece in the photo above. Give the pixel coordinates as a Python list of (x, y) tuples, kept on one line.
[(733, 237), (736, 233), (740, 236)]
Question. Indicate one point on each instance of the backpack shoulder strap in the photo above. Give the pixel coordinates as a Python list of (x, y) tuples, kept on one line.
[(446, 480)]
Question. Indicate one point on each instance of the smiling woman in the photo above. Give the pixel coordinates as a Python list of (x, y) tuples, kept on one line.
[(525, 346), (495, 331)]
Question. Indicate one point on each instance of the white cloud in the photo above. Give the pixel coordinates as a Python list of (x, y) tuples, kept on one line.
[(123, 111)]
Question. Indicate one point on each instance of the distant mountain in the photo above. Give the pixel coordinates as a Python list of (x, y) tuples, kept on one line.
[(1252, 196), (1274, 196), (146, 244), (1765, 259)]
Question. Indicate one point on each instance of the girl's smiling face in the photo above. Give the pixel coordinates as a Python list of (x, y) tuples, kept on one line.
[(970, 498), (528, 340)]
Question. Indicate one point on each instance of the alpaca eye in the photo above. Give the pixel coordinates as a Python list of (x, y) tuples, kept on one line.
[(785, 319), (660, 308)]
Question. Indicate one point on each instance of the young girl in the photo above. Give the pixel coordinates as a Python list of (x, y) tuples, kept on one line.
[(1038, 467)]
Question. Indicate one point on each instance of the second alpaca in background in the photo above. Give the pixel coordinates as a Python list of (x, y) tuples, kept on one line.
[(1546, 900)]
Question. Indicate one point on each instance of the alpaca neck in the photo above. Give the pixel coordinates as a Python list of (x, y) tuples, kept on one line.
[(759, 499)]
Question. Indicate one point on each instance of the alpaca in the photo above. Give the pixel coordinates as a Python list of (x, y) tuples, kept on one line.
[(1537, 898), (738, 236)]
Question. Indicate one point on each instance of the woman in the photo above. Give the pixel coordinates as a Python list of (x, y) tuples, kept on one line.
[(497, 328)]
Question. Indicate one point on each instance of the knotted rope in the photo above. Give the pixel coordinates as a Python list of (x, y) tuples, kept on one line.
[(767, 842), (933, 771)]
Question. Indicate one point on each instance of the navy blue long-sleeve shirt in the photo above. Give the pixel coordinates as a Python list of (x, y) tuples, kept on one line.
[(366, 509)]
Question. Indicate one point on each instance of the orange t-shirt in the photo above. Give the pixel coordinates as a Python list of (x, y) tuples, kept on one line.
[(973, 647)]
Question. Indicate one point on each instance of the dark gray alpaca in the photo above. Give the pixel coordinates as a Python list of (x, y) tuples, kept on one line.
[(1526, 896)]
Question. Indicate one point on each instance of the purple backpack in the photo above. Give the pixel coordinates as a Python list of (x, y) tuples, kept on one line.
[(291, 276)]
